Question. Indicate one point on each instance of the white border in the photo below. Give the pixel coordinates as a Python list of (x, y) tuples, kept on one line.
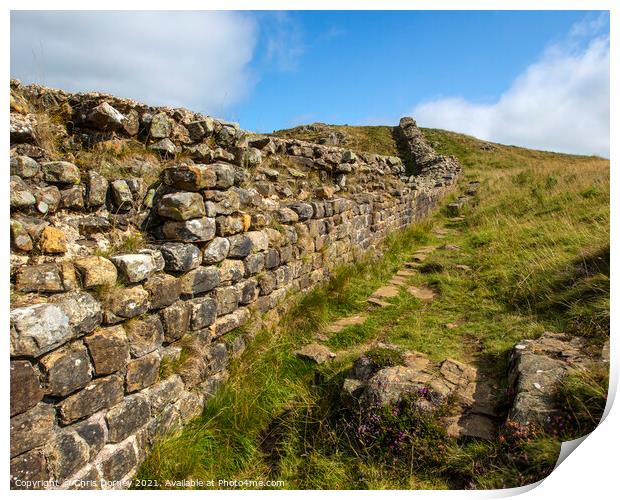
[(590, 472)]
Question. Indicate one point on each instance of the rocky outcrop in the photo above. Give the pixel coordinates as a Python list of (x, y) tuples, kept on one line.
[(537, 367), (118, 265), (450, 390)]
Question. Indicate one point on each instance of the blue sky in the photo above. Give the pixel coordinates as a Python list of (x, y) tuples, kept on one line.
[(492, 74)]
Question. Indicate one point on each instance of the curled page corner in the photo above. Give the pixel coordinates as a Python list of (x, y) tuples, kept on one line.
[(567, 448)]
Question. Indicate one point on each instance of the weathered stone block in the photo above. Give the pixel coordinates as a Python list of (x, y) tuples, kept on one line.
[(20, 196), (228, 225), (100, 393), (66, 370), (227, 299), (222, 202), (96, 189), (164, 147), (142, 372), (24, 166), (122, 197), (168, 420), (286, 216), (163, 290), (175, 320), (231, 271), (198, 129), (203, 312), (163, 392), (180, 257), (267, 283), (66, 453), (26, 389), (254, 263), (194, 230), (61, 172), (96, 271), (83, 311), (93, 431), (118, 460), (225, 174), (272, 258), (20, 239), (200, 280), (126, 303), (127, 417), (29, 471), (181, 206), (304, 211), (248, 291), (31, 428), (229, 322), (109, 349), (48, 199), (135, 267), (144, 335), (44, 278), (161, 127), (216, 251), (218, 357), (240, 246), (189, 405), (53, 240), (38, 329), (190, 177), (72, 198)]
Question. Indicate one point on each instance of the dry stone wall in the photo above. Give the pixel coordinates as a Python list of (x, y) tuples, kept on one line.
[(113, 345)]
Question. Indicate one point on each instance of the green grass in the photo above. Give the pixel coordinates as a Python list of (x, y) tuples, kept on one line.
[(375, 139), (537, 242)]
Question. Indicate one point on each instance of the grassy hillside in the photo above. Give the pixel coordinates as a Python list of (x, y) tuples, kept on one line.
[(537, 243)]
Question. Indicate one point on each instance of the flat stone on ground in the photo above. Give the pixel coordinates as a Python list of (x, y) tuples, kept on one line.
[(316, 353), (378, 302), (386, 292), (423, 293), (342, 323)]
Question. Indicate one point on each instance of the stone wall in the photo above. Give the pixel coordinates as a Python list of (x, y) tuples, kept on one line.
[(130, 277)]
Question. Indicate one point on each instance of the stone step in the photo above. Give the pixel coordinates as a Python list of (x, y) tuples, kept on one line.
[(412, 265), (378, 302), (405, 273), (423, 293), (386, 292), (315, 353), (342, 323), (398, 281)]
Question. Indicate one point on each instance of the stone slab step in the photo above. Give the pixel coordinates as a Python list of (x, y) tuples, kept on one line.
[(398, 281), (386, 292), (342, 323), (412, 265), (405, 273), (423, 293), (378, 302)]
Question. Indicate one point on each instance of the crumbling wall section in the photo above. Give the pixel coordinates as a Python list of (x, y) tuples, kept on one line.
[(129, 284)]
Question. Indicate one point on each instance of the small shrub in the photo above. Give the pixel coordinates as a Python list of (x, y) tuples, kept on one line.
[(402, 431), (382, 357)]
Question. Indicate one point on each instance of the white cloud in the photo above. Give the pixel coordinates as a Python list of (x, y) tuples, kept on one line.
[(199, 60), (559, 103)]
